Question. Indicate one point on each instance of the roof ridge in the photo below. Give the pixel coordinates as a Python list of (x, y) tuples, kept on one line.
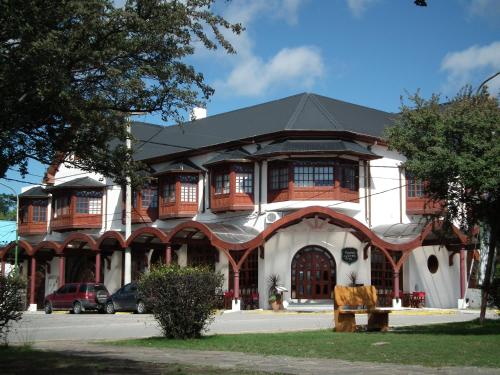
[(298, 109), (326, 113)]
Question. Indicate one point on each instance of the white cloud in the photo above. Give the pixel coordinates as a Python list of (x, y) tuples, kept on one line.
[(251, 75), (294, 67), (473, 65), (358, 7)]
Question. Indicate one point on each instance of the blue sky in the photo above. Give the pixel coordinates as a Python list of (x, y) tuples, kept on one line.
[(369, 52)]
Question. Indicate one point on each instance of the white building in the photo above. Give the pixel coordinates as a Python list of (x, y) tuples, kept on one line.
[(303, 188)]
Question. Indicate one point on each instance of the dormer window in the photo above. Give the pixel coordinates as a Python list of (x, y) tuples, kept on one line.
[(321, 179), (417, 201), (144, 204), (179, 196), (415, 188), (33, 211), (232, 187)]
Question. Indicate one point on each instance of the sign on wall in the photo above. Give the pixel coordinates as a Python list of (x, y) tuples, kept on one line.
[(349, 255)]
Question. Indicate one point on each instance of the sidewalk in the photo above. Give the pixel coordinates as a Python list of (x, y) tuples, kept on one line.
[(234, 360)]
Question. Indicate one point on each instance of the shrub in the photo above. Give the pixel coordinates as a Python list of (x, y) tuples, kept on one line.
[(11, 303), (182, 300)]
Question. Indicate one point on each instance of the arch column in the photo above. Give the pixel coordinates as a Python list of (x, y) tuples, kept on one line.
[(98, 267), (168, 254), (62, 262), (3, 267), (127, 266), (33, 306), (461, 301)]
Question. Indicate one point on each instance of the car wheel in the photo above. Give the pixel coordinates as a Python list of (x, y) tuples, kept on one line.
[(141, 308), (48, 308), (77, 308), (110, 308)]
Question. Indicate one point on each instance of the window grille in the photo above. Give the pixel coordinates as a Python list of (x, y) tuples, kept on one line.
[(222, 183), (279, 178), (348, 178), (309, 176), (244, 182)]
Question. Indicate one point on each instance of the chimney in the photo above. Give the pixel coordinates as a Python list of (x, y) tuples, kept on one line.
[(198, 113)]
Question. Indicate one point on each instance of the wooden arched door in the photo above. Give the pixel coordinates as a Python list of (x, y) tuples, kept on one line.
[(313, 273)]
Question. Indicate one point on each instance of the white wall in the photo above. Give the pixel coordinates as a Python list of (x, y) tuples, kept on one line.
[(442, 289), (281, 248)]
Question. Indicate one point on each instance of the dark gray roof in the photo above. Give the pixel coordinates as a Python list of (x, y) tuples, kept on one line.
[(234, 156), (315, 146), (82, 182), (177, 166), (34, 192), (302, 112)]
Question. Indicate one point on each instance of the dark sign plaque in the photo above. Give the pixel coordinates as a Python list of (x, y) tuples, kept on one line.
[(349, 255)]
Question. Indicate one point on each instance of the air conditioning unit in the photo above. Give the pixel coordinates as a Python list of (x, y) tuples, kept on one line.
[(271, 217)]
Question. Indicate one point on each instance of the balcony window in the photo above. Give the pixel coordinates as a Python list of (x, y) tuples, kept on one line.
[(39, 211), (222, 185), (88, 202), (348, 178), (279, 178), (149, 197), (169, 191), (244, 182), (189, 189), (61, 205), (415, 187), (309, 175)]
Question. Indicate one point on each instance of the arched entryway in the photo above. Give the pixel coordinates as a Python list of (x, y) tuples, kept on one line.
[(313, 273)]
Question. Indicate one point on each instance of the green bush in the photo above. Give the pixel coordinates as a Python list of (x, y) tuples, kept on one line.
[(182, 300), (11, 302)]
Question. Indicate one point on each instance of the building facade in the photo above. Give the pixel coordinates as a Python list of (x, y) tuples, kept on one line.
[(304, 188)]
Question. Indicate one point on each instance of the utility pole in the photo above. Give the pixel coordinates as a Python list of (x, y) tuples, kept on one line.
[(16, 254), (128, 213)]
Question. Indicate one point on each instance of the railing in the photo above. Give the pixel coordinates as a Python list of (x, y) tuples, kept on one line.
[(76, 221), (29, 227)]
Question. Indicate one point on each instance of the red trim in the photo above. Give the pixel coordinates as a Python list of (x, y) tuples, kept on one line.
[(82, 237), (26, 246), (155, 232), (48, 245), (113, 235)]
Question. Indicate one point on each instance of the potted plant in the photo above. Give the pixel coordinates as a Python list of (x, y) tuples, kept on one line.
[(275, 297)]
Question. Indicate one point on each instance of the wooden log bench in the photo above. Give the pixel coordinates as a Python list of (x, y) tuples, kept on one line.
[(350, 301)]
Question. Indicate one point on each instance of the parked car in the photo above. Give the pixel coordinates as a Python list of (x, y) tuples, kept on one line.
[(126, 299), (78, 297)]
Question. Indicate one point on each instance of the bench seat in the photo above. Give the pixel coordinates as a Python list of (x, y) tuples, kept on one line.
[(345, 321)]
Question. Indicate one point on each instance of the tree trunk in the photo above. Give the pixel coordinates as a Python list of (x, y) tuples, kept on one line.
[(488, 271)]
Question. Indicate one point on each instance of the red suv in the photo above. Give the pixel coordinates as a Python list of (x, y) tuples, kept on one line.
[(77, 297)]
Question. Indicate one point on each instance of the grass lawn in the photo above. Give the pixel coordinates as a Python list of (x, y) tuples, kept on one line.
[(453, 344), (24, 360)]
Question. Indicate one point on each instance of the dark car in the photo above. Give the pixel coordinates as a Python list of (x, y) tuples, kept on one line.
[(77, 297), (125, 299)]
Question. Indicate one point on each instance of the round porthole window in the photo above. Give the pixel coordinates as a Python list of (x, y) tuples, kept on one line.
[(432, 264)]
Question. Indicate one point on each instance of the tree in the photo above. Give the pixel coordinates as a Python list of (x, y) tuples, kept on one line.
[(11, 302), (72, 71), (7, 207), (455, 147), (182, 300)]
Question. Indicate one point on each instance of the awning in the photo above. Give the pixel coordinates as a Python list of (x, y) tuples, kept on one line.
[(316, 147), (77, 183)]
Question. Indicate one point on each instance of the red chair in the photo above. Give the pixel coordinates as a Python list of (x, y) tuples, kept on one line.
[(418, 299)]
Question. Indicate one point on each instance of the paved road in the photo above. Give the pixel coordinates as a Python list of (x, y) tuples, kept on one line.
[(40, 327)]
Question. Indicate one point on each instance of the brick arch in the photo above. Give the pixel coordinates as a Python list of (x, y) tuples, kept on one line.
[(82, 237), (26, 246), (53, 245), (155, 232), (112, 234), (219, 244), (362, 232)]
